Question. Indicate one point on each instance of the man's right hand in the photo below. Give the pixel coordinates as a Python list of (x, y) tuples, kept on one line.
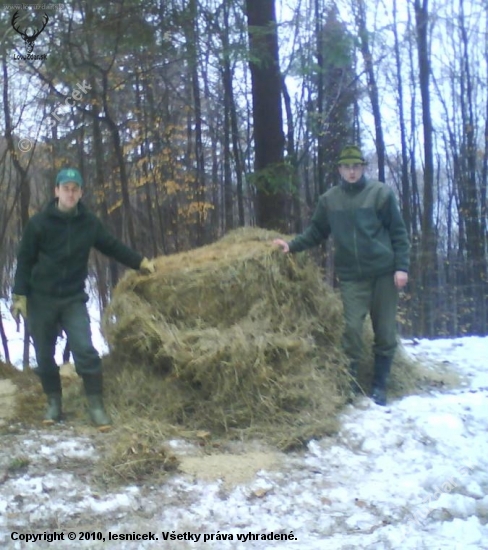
[(147, 267), (283, 244), (19, 307)]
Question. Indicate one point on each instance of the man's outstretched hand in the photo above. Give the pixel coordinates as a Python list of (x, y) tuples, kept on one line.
[(283, 244), (147, 267)]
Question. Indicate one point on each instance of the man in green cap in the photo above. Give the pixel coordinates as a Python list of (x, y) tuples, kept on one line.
[(49, 289), (371, 260)]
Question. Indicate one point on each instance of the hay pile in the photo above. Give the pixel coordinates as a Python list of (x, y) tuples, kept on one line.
[(23, 404), (235, 338)]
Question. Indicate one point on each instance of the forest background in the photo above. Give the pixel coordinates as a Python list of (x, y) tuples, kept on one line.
[(190, 118)]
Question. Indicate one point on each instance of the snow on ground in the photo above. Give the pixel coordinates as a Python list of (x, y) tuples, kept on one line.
[(412, 475)]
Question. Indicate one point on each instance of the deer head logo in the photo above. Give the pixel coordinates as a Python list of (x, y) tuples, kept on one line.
[(29, 39)]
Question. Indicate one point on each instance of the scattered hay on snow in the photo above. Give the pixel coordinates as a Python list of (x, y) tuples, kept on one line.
[(133, 451)]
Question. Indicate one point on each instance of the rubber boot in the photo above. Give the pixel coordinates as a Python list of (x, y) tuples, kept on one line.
[(382, 366), (51, 385), (93, 389), (97, 412), (54, 411)]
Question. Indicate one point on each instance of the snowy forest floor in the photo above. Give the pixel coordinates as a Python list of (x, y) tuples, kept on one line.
[(412, 475)]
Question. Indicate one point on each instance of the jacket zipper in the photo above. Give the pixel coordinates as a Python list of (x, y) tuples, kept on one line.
[(68, 246), (355, 240)]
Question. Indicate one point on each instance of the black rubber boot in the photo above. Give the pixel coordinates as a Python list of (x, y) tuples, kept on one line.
[(94, 392), (54, 411), (382, 366)]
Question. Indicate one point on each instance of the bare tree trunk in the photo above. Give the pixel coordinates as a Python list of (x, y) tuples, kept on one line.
[(156, 175), (124, 180), (103, 285), (4, 341), (292, 160), (321, 145), (227, 81), (484, 178), (23, 180), (199, 184), (428, 233), (66, 353), (239, 164), (267, 115), (406, 210), (144, 153), (470, 207), (372, 86)]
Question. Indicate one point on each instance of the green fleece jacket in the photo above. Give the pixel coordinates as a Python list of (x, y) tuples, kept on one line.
[(370, 238), (54, 250)]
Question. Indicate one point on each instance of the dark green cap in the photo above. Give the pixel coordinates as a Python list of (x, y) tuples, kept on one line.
[(69, 175), (351, 155)]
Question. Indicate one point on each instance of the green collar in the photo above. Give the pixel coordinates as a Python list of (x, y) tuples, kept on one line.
[(354, 187), (69, 214)]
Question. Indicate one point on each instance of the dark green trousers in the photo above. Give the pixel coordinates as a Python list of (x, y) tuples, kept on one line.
[(379, 298), (46, 315)]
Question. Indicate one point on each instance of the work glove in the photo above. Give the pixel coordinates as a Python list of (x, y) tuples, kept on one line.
[(18, 307), (147, 267)]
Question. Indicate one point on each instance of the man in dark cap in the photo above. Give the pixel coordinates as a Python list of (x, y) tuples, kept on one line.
[(371, 260), (49, 289)]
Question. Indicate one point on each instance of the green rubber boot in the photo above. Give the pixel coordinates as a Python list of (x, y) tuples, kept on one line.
[(94, 391), (97, 412), (54, 411)]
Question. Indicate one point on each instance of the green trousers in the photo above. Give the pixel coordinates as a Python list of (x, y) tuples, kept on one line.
[(379, 298), (46, 315)]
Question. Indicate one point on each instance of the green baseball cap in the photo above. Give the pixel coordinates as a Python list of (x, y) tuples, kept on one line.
[(351, 155), (69, 175)]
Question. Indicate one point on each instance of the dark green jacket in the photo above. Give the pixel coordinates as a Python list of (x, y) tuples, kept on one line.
[(369, 234), (54, 250)]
